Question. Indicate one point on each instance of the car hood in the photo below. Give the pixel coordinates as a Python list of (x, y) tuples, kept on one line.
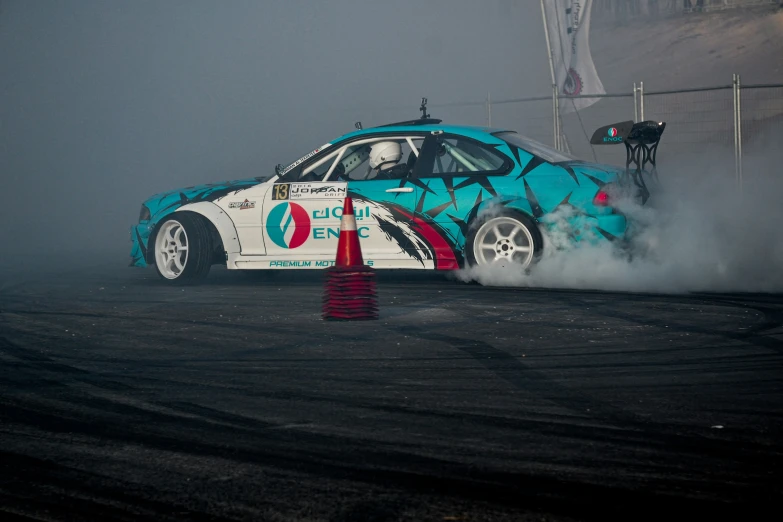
[(166, 202)]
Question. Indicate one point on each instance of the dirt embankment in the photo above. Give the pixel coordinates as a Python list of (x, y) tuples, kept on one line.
[(686, 51), (689, 49)]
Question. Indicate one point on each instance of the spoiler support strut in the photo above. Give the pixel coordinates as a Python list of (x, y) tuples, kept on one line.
[(641, 147)]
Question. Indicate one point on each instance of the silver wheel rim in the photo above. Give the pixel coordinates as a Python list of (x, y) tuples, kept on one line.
[(503, 241), (171, 249)]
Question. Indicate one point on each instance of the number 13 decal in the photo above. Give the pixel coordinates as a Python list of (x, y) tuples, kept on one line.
[(280, 191)]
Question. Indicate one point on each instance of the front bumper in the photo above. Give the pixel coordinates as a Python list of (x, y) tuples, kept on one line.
[(139, 236)]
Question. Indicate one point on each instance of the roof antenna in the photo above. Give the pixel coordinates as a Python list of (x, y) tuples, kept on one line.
[(358, 125), (423, 109)]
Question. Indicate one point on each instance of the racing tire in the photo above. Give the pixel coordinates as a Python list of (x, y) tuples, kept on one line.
[(507, 237), (182, 249)]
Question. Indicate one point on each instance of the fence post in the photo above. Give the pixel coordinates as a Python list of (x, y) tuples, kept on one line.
[(736, 127), (739, 129), (555, 117), (635, 105), (734, 115), (641, 100), (559, 123), (489, 110)]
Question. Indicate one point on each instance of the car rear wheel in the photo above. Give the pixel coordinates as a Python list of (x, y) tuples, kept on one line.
[(509, 238), (183, 250)]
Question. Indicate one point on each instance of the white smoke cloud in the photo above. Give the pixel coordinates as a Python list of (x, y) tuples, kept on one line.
[(698, 232)]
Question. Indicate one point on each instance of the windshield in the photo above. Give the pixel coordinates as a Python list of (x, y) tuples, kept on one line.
[(533, 147)]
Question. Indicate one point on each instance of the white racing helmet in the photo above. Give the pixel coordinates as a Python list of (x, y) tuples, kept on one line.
[(385, 152)]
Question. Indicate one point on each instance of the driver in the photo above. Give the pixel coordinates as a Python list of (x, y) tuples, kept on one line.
[(384, 156)]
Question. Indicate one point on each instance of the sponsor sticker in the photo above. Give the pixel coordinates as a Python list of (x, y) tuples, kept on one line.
[(318, 190), (336, 212), (612, 136), (242, 205), (289, 226), (283, 191), (306, 264)]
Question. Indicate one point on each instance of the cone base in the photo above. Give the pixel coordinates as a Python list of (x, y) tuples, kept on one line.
[(350, 294), (350, 318)]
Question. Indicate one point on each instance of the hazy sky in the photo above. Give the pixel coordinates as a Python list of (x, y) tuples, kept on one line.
[(105, 102)]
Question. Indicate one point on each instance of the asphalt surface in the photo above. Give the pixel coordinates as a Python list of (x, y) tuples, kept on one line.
[(123, 399)]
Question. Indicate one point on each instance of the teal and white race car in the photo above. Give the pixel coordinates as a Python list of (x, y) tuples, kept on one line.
[(427, 195)]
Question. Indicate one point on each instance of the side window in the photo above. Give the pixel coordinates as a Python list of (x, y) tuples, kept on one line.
[(354, 163), (449, 155), (379, 159)]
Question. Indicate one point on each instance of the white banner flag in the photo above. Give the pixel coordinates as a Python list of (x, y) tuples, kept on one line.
[(568, 23)]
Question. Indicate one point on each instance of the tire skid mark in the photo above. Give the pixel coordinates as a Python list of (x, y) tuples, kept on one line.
[(234, 325), (223, 418), (507, 367), (750, 337), (316, 455), (90, 497)]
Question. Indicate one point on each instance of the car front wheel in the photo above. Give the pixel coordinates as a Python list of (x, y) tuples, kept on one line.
[(183, 251), (506, 239)]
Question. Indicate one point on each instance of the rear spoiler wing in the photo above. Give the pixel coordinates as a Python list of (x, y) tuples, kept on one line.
[(641, 146)]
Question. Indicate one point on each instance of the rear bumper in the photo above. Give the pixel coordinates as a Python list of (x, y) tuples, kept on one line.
[(612, 226), (594, 230), (139, 236)]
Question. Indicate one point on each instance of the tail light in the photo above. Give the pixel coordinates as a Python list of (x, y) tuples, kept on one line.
[(601, 199)]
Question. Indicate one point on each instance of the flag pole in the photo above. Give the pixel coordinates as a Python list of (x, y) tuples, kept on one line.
[(548, 44), (556, 116)]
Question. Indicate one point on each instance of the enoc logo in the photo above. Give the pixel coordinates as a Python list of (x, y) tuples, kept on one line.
[(612, 132), (288, 225), (572, 86)]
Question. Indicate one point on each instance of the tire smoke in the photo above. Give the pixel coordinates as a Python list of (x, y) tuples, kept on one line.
[(698, 232)]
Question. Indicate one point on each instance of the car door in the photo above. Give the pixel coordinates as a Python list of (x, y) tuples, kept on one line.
[(384, 200), (302, 216), (302, 213), (453, 175), (301, 220)]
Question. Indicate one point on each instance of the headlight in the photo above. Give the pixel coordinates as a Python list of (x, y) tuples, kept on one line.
[(144, 215)]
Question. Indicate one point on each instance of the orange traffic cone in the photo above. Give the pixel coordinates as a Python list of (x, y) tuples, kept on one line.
[(350, 292), (349, 251)]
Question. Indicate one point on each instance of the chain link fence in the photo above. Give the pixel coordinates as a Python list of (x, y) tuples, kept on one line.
[(698, 121), (703, 117), (761, 112), (761, 123)]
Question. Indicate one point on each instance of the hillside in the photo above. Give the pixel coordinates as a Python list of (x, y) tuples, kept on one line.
[(690, 50), (682, 51)]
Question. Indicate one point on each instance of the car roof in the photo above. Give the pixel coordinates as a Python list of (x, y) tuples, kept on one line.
[(465, 130)]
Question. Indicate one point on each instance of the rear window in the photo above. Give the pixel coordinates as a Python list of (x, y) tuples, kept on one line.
[(533, 147)]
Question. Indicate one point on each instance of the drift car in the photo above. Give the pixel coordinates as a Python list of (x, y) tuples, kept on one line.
[(426, 195)]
